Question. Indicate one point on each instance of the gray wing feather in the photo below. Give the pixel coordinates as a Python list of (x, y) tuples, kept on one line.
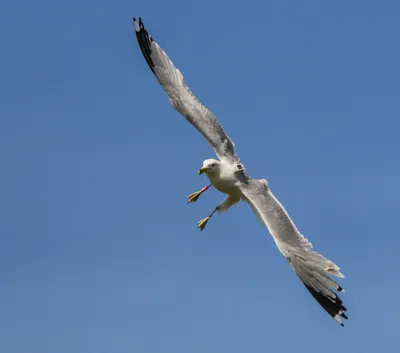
[(311, 267), (183, 100)]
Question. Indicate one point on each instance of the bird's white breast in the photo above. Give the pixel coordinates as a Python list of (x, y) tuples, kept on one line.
[(224, 181)]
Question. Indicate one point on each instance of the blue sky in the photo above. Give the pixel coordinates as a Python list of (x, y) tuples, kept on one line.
[(99, 250)]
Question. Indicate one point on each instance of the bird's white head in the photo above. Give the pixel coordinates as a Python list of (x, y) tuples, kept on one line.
[(210, 166)]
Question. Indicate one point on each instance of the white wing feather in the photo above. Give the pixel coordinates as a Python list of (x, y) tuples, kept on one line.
[(311, 267), (171, 79)]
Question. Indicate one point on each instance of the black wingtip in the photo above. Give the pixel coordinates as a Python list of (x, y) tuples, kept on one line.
[(334, 306), (145, 41)]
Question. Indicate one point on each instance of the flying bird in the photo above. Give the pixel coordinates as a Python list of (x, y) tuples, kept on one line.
[(229, 176)]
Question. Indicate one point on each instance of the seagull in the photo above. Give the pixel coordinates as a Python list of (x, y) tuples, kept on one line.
[(229, 176)]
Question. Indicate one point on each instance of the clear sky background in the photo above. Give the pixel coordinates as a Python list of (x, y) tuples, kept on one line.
[(99, 250)]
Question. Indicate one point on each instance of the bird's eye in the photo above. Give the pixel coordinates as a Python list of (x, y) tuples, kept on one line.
[(213, 165), (239, 166)]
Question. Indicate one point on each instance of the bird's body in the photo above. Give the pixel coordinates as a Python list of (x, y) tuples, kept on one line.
[(222, 177), (229, 176)]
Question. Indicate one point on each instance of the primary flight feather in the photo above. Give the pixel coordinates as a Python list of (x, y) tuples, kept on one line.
[(229, 176)]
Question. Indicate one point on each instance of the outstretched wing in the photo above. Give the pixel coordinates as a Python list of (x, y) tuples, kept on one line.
[(182, 98), (310, 266)]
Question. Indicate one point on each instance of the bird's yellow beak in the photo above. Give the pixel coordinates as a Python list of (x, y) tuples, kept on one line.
[(201, 170)]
